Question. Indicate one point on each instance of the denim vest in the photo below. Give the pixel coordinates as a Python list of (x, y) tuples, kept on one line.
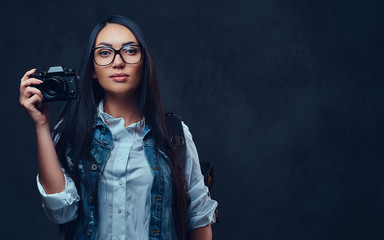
[(161, 224)]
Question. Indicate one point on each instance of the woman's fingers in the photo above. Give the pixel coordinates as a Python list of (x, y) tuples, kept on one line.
[(26, 75), (39, 102), (31, 99), (28, 82), (29, 91), (31, 103)]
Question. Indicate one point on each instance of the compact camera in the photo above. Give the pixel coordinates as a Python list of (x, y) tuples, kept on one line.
[(59, 84)]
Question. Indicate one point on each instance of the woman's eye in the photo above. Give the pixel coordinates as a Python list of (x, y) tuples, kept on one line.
[(105, 53), (129, 51)]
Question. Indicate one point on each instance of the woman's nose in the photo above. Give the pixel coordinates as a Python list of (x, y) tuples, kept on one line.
[(118, 61)]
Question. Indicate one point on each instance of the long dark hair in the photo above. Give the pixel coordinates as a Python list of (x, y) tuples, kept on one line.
[(76, 119)]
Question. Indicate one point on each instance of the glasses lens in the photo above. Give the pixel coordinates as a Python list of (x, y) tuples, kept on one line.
[(131, 53), (105, 55)]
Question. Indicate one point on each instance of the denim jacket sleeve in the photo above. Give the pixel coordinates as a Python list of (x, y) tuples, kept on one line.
[(201, 211)]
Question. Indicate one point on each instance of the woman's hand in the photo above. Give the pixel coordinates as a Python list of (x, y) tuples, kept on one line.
[(32, 100)]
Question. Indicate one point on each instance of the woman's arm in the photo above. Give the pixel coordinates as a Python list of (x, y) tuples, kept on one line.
[(203, 233), (50, 174), (200, 213), (59, 193)]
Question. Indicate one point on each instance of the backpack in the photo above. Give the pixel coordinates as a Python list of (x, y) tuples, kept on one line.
[(177, 139)]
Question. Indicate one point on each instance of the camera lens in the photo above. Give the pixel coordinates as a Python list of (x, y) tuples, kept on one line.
[(52, 86)]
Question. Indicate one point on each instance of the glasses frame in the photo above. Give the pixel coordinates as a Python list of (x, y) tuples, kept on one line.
[(117, 52)]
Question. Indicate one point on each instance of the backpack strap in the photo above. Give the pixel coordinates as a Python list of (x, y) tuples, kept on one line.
[(176, 135)]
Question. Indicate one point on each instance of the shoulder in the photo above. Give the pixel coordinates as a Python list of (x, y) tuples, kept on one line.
[(192, 158), (190, 144), (187, 132)]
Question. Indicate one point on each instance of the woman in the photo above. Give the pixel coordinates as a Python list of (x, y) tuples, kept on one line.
[(112, 173)]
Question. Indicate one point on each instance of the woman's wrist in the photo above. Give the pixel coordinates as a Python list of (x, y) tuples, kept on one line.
[(42, 128)]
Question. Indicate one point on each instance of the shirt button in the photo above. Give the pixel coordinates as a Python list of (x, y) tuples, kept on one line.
[(120, 183), (89, 232), (119, 210), (94, 167)]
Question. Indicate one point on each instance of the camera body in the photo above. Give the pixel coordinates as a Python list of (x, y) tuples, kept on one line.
[(59, 84)]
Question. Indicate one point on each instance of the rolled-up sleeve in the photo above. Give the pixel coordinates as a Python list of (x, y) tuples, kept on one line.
[(60, 207), (201, 211)]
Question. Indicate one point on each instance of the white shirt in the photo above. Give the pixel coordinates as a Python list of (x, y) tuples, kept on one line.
[(125, 187)]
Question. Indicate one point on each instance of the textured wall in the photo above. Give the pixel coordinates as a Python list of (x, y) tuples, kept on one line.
[(284, 96)]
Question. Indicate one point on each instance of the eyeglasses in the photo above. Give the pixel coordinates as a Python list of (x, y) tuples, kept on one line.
[(104, 55)]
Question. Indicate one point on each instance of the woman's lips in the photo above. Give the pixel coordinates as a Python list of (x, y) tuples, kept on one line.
[(119, 77)]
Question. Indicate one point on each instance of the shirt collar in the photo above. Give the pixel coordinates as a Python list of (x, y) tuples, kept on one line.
[(108, 119)]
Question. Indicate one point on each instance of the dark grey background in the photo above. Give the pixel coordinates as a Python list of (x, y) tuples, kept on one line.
[(285, 96)]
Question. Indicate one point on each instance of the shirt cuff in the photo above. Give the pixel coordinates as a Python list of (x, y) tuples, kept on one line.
[(201, 212), (59, 200)]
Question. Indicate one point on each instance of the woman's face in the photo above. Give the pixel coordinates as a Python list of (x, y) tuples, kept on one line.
[(118, 78)]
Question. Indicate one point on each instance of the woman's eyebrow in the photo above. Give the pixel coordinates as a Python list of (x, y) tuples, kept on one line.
[(110, 45), (128, 43), (104, 43)]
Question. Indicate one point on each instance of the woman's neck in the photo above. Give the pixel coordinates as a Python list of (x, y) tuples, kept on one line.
[(122, 107)]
